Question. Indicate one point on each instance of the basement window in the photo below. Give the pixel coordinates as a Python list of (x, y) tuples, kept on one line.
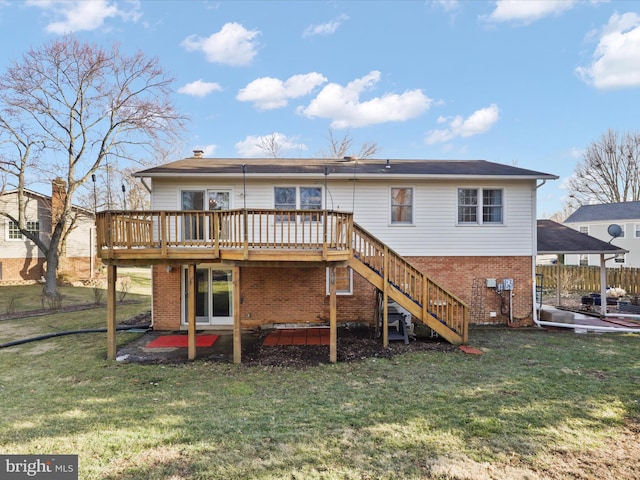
[(344, 281)]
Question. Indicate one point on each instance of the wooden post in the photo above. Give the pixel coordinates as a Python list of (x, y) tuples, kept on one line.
[(191, 309), (111, 311), (385, 298), (237, 332), (603, 286), (559, 262), (333, 316)]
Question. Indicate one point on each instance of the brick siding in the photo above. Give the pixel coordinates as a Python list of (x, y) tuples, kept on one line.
[(298, 295)]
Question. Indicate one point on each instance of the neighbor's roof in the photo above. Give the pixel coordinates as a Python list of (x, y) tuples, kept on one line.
[(605, 212), (346, 168), (556, 238), (32, 193)]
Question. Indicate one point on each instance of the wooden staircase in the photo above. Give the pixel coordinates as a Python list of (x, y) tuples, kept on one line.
[(396, 278)]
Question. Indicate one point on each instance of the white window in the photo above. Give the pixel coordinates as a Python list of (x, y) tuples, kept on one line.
[(584, 260), (401, 206), (622, 229), (584, 230), (637, 230), (482, 206), (344, 281), (13, 232), (298, 198)]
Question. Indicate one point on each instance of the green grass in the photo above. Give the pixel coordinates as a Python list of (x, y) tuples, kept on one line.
[(533, 402)]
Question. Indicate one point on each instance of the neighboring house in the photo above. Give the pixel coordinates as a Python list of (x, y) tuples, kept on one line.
[(261, 242), (595, 220), (21, 259)]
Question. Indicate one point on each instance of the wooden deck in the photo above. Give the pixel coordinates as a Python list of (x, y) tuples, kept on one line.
[(236, 235), (279, 238)]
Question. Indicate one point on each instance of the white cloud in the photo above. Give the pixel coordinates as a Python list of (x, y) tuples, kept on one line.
[(345, 109), (268, 93), (233, 45), (79, 15), (200, 88), (325, 28), (529, 11), (250, 146), (478, 122), (616, 60)]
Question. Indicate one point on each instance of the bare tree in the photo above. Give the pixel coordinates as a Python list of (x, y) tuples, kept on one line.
[(271, 144), (83, 106), (609, 171), (341, 147)]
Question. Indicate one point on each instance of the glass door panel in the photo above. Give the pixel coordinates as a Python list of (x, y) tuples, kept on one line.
[(192, 224), (214, 297)]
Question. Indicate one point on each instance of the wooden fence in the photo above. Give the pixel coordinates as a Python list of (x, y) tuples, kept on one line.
[(583, 279)]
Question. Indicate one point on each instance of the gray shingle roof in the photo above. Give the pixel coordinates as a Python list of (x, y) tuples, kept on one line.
[(605, 212), (556, 238), (362, 168)]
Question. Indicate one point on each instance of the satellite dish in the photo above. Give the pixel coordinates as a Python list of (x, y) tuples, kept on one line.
[(614, 230)]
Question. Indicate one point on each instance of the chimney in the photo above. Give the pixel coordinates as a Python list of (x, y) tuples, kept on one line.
[(198, 153), (58, 199)]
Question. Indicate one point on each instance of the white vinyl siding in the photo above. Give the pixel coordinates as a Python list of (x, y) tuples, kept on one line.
[(435, 232)]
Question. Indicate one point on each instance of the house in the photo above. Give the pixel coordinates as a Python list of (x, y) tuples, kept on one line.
[(595, 220), (21, 259), (248, 243)]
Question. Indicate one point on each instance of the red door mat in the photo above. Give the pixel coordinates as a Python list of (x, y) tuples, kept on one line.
[(168, 341), (297, 336)]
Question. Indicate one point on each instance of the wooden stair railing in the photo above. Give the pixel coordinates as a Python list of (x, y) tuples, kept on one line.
[(427, 301)]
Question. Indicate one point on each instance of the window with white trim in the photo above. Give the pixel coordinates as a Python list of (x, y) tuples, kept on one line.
[(636, 230), (480, 206), (344, 281), (298, 198), (401, 205), (622, 229), (584, 260), (584, 230), (13, 231)]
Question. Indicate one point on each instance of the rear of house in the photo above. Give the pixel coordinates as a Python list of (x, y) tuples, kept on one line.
[(470, 226)]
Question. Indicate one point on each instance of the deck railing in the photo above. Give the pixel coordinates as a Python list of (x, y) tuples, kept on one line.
[(432, 299), (228, 229)]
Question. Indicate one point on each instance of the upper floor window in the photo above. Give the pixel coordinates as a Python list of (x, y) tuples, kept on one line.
[(401, 206), (480, 205), (14, 233), (584, 230), (302, 198), (637, 230)]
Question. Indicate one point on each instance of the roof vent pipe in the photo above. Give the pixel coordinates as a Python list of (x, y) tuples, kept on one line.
[(198, 153), (388, 165)]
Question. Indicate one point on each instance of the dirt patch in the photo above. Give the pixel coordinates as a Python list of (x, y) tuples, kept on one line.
[(353, 344)]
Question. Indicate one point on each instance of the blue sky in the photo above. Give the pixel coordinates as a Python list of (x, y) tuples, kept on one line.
[(529, 83)]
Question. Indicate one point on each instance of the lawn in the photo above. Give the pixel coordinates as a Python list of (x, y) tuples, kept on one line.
[(536, 404)]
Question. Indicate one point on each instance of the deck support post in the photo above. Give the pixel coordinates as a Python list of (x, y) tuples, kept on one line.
[(191, 310), (111, 311), (385, 299), (237, 332), (333, 316)]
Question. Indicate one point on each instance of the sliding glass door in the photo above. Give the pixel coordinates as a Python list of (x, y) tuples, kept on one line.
[(214, 296)]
